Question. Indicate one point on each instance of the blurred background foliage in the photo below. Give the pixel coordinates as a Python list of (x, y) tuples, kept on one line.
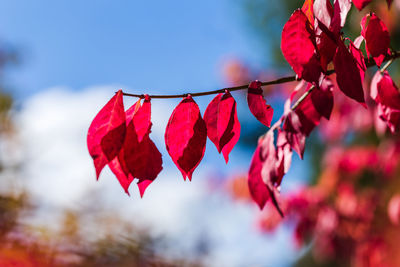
[(348, 215)]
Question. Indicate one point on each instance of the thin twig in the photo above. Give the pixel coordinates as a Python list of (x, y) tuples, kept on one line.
[(302, 97), (394, 55)]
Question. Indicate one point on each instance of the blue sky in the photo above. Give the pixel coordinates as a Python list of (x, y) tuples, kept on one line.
[(166, 46)]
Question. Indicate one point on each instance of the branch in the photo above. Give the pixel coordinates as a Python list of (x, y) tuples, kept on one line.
[(394, 55)]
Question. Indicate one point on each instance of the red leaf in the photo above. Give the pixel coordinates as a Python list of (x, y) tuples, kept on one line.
[(142, 119), (307, 9), (223, 127), (389, 3), (298, 47), (390, 116), (284, 156), (322, 98), (376, 35), (318, 103), (296, 138), (258, 189), (348, 75), (140, 156), (106, 133), (137, 159), (388, 93), (360, 4), (257, 104), (358, 56), (118, 165), (186, 136), (326, 44), (267, 169)]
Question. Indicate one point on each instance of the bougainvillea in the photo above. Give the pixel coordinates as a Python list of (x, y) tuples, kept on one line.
[(314, 45)]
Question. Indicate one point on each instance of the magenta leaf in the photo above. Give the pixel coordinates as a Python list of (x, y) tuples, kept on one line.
[(139, 156), (223, 127), (294, 133), (376, 35), (186, 136), (348, 74), (299, 48), (257, 104), (107, 132)]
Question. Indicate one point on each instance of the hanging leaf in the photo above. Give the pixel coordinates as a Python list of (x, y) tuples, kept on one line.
[(294, 133), (186, 136), (139, 154), (348, 75), (223, 127), (142, 119), (257, 104), (376, 35), (118, 165), (388, 93), (358, 56), (299, 48), (107, 132), (258, 189), (322, 98)]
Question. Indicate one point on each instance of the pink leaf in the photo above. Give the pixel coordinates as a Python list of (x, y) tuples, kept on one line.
[(142, 119), (257, 187), (107, 132), (359, 58), (294, 134), (186, 136), (140, 156), (376, 35), (322, 98), (223, 127), (118, 165), (348, 75), (299, 48), (388, 93), (257, 104)]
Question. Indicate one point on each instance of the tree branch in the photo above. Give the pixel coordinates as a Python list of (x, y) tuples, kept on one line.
[(394, 55)]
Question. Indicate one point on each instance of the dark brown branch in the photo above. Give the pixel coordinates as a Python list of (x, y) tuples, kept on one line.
[(394, 55)]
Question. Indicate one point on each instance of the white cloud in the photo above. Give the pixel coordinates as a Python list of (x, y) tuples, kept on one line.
[(59, 173)]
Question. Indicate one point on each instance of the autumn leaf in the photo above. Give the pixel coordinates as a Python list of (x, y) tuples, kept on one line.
[(223, 127), (377, 39), (186, 136), (299, 48), (348, 75), (257, 104), (107, 132)]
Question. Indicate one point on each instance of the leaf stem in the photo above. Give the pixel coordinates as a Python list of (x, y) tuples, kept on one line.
[(390, 59)]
